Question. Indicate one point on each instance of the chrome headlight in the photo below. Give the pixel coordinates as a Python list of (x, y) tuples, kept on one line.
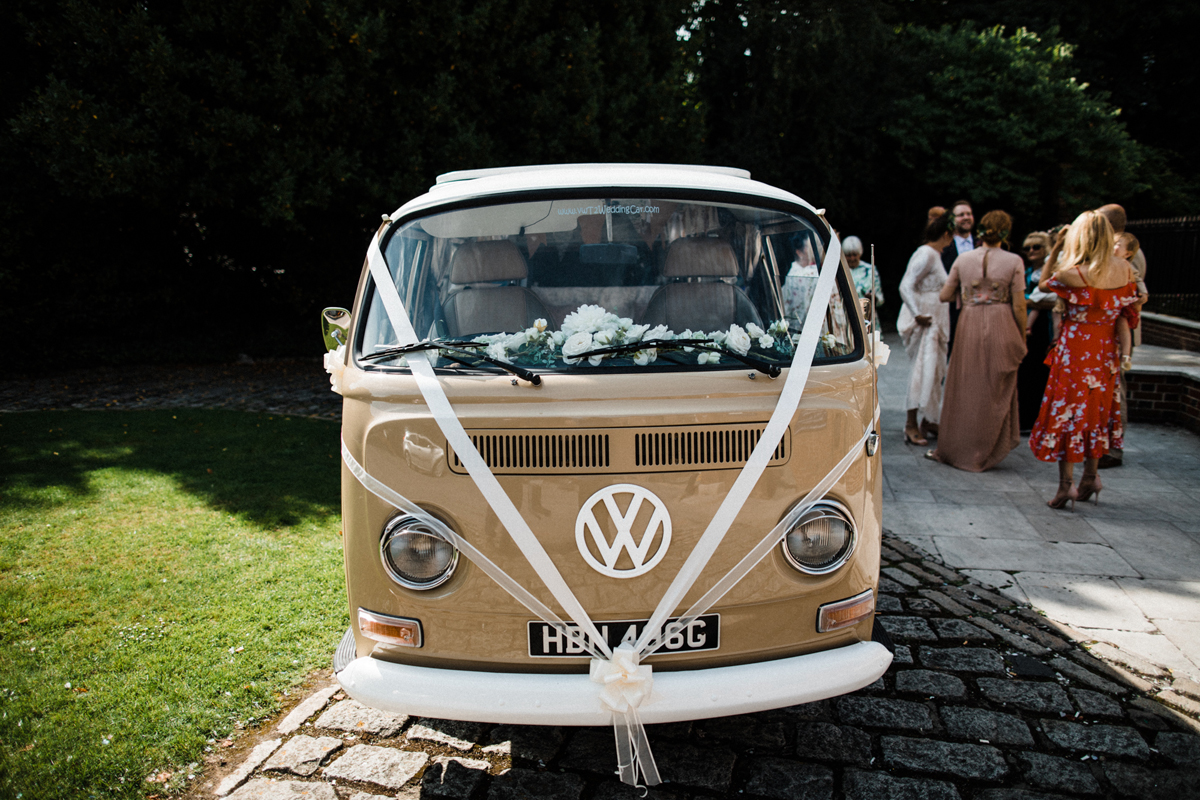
[(415, 554), (821, 540)]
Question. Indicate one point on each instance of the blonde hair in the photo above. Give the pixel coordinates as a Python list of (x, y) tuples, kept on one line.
[(1089, 244), (1131, 243), (1041, 238)]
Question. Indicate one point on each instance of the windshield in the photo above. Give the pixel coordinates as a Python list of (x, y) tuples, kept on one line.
[(606, 283)]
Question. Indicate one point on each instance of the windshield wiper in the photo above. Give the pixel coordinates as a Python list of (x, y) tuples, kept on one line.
[(457, 349), (678, 344)]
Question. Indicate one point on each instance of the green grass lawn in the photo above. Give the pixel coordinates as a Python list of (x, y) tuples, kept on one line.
[(164, 577)]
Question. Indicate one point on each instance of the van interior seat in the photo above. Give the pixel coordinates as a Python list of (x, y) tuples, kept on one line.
[(488, 301), (699, 295)]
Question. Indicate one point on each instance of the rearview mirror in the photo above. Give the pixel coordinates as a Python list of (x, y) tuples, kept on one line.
[(335, 327)]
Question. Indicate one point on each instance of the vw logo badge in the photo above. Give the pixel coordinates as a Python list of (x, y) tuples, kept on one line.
[(641, 555)]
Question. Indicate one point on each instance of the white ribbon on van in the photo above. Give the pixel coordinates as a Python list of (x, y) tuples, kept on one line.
[(625, 682)]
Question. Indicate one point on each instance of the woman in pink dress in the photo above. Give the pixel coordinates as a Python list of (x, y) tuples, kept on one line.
[(1073, 424), (980, 424)]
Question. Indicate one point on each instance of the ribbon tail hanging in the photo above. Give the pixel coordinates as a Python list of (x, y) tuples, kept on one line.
[(641, 748), (633, 750)]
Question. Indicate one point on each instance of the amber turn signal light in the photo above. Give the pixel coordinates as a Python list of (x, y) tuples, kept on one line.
[(390, 630), (845, 613)]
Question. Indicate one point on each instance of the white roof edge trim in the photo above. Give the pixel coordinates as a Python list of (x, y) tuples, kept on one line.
[(472, 174)]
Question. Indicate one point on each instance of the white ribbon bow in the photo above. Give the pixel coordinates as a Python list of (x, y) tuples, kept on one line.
[(881, 351), (626, 684), (335, 365)]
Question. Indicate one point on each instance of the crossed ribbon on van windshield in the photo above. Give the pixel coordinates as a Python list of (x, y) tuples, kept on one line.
[(625, 683)]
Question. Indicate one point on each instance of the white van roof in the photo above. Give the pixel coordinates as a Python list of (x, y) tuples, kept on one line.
[(454, 187), (471, 174)]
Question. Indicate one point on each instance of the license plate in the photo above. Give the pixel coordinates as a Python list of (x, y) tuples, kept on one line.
[(545, 641)]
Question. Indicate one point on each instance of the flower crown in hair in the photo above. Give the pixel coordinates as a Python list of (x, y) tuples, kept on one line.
[(986, 232)]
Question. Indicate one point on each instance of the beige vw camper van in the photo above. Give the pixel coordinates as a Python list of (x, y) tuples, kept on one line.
[(595, 409)]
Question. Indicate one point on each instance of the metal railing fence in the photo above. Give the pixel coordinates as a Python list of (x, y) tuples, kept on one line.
[(1172, 264)]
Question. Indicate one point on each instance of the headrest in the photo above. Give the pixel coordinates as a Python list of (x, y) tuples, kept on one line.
[(700, 258), (482, 262)]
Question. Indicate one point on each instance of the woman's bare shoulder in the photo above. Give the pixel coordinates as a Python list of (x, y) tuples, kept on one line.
[(1118, 274), (1070, 276)]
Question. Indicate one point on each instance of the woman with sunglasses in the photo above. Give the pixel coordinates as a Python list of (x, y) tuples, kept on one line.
[(1039, 329)]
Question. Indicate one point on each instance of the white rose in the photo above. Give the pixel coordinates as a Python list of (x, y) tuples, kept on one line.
[(717, 337), (596, 359), (575, 344), (636, 333), (754, 331), (604, 338), (540, 324), (766, 341), (738, 340), (335, 365), (644, 357), (661, 332), (498, 351), (588, 318)]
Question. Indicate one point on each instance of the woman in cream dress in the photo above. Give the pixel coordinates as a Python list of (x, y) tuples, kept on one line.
[(924, 325)]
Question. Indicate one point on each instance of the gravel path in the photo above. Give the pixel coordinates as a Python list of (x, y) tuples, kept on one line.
[(287, 387)]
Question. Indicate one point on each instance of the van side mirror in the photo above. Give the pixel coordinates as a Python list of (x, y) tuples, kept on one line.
[(335, 327)]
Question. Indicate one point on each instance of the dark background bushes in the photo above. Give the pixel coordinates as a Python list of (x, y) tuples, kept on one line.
[(196, 180)]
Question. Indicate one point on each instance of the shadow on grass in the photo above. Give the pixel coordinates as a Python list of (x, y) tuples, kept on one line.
[(269, 469)]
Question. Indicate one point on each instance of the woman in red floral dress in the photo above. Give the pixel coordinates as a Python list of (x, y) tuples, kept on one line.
[(1073, 424)]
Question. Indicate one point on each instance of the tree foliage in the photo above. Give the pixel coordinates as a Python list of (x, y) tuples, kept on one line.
[(196, 179), (221, 164), (1002, 119), (790, 91)]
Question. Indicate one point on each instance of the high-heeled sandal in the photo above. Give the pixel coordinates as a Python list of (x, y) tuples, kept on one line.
[(1065, 492), (1089, 485), (909, 439)]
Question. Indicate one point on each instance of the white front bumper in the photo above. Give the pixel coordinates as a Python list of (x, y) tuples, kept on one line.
[(535, 699)]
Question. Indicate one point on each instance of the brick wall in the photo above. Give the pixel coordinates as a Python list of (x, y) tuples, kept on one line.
[(1158, 397), (1164, 331)]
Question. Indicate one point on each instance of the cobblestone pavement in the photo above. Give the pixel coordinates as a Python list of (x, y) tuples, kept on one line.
[(986, 699)]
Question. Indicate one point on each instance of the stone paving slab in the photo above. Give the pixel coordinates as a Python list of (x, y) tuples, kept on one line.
[(306, 708), (388, 767), (302, 755), (1084, 601), (1144, 528), (353, 717), (1021, 555)]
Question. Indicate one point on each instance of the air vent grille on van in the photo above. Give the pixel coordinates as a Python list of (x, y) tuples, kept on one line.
[(615, 450), (554, 452), (725, 447)]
